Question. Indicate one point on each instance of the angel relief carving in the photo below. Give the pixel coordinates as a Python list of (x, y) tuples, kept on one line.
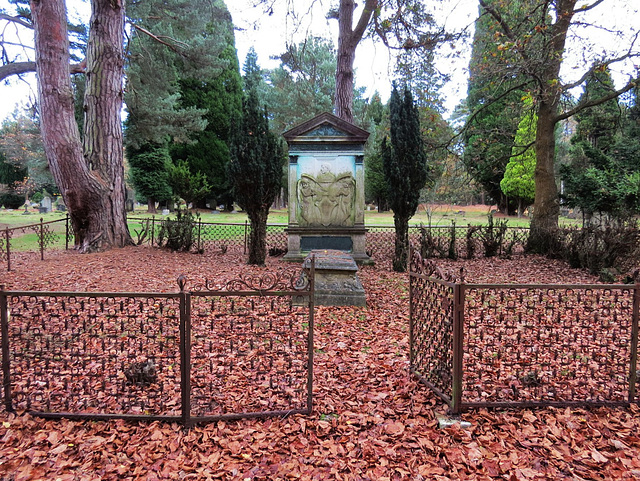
[(326, 200)]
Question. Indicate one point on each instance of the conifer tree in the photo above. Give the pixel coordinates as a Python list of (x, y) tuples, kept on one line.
[(518, 183), (149, 173), (255, 170), (183, 89), (495, 100), (406, 171), (603, 176)]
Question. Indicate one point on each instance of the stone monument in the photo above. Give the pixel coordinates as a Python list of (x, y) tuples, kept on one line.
[(336, 279), (46, 205), (326, 188)]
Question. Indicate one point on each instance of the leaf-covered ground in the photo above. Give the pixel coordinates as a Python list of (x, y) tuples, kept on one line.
[(371, 421)]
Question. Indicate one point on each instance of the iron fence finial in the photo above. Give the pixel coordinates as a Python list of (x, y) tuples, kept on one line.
[(182, 282)]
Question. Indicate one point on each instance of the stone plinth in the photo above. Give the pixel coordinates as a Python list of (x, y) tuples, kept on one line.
[(336, 279)]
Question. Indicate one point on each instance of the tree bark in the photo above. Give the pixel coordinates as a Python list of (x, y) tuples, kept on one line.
[(402, 243), (546, 208), (348, 39), (91, 181), (258, 237)]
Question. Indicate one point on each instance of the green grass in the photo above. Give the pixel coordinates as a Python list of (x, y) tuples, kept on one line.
[(437, 216)]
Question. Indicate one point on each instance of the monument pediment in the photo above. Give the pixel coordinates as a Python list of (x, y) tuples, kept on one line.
[(326, 127)]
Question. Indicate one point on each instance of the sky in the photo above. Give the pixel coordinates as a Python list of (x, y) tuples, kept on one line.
[(269, 35)]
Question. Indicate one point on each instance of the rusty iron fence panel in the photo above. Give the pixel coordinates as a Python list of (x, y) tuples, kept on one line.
[(242, 350), (454, 241), (547, 344), (47, 235), (213, 237), (77, 353), (484, 345), (431, 324)]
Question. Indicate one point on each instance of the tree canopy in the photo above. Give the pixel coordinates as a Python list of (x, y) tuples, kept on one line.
[(603, 175), (255, 170), (518, 182), (537, 54)]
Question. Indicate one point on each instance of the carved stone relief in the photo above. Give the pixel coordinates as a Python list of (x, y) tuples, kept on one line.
[(326, 200)]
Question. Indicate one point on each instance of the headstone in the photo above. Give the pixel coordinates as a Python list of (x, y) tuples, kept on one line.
[(336, 279), (46, 205), (326, 188)]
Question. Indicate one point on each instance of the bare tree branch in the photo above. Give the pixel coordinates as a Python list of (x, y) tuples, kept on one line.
[(16, 68), (19, 68), (592, 103), (586, 8), (630, 54), (18, 20), (176, 46)]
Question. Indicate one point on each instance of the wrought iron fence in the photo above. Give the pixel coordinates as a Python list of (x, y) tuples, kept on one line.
[(244, 349), (213, 236), (491, 345), (50, 234), (452, 241)]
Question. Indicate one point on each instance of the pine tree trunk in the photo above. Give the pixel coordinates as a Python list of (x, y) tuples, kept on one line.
[(91, 181), (258, 237), (401, 254), (348, 39)]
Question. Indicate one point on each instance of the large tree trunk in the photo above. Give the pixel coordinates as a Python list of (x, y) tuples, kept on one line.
[(348, 39), (90, 181), (401, 254), (258, 237), (546, 208)]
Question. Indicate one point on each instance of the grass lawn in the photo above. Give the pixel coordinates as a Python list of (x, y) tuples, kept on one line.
[(442, 215)]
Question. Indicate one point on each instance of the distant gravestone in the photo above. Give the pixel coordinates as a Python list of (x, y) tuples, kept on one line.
[(60, 205), (46, 205)]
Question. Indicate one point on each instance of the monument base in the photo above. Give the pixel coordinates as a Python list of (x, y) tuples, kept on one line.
[(303, 240), (336, 279)]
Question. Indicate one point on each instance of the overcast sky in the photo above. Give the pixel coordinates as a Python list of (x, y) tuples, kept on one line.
[(269, 34)]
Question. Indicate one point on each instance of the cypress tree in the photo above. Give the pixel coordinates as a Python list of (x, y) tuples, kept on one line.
[(518, 182), (405, 167), (255, 169), (149, 174), (494, 96)]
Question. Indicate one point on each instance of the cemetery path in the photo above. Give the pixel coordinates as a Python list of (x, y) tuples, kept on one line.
[(371, 421)]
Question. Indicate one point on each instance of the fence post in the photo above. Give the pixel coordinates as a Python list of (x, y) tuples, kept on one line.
[(6, 366), (411, 313), (458, 346), (41, 240), (185, 352), (633, 368), (312, 300), (66, 234), (7, 238), (245, 237), (153, 226), (199, 236)]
